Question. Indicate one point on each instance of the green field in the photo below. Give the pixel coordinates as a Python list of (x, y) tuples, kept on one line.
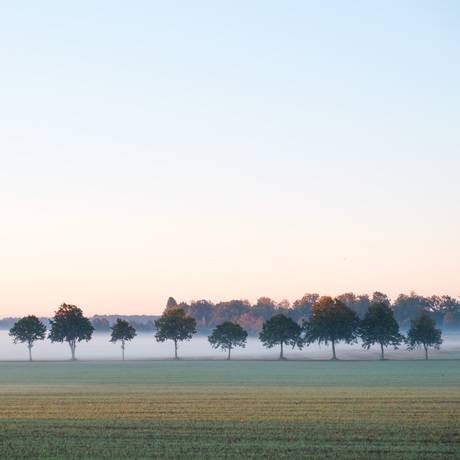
[(240, 409)]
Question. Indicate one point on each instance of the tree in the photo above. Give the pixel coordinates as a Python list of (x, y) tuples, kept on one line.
[(380, 297), (284, 307), (379, 326), (444, 309), (201, 310), (247, 321), (265, 308), (122, 331), (422, 332), (227, 336), (28, 330), (331, 321), (171, 303), (175, 325), (230, 311), (101, 324), (301, 307), (69, 325), (406, 307), (359, 303), (281, 330)]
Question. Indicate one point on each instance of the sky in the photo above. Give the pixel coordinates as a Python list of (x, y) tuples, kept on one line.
[(226, 150)]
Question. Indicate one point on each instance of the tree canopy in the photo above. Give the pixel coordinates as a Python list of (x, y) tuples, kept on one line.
[(331, 321), (175, 325), (423, 332), (69, 325), (407, 307), (359, 303), (227, 336), (281, 330), (123, 332), (444, 309), (379, 326), (28, 330), (171, 303)]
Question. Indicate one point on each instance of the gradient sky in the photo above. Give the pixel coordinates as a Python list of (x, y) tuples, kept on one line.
[(225, 150)]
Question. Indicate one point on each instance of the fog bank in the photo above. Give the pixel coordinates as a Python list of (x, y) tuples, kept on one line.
[(145, 347)]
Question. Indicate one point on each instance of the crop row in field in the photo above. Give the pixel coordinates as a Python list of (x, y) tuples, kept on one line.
[(230, 410)]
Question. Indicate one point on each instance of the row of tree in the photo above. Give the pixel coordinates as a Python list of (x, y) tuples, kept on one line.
[(445, 310), (330, 321)]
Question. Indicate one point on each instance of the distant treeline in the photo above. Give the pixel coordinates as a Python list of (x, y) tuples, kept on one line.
[(101, 323), (142, 323), (445, 310)]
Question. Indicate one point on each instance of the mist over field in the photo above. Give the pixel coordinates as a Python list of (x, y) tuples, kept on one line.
[(145, 347)]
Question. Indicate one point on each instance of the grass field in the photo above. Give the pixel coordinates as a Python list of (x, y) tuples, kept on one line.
[(241, 409)]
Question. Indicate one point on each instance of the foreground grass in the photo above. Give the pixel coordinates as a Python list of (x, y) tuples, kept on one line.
[(196, 409)]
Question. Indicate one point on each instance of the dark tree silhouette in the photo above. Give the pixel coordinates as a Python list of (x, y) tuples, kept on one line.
[(123, 332), (379, 326), (28, 330), (281, 330), (227, 336), (406, 307), (69, 325), (359, 303), (380, 297), (230, 311), (171, 303), (100, 324), (331, 321), (264, 308), (175, 325), (301, 307), (201, 310), (422, 332)]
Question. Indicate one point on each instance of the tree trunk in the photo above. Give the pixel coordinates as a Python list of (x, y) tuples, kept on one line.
[(382, 356), (333, 350), (122, 350), (426, 351), (175, 349), (30, 352), (229, 349), (73, 345), (281, 352)]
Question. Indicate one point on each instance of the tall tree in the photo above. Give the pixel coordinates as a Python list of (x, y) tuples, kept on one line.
[(69, 325), (281, 330), (301, 307), (423, 332), (175, 325), (247, 321), (28, 330), (331, 321), (201, 310), (284, 307), (359, 303), (379, 326), (406, 307), (171, 303), (100, 324), (227, 336), (264, 308), (380, 297), (444, 309), (123, 332), (229, 311)]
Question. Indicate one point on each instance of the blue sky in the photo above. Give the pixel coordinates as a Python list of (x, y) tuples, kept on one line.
[(226, 150)]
